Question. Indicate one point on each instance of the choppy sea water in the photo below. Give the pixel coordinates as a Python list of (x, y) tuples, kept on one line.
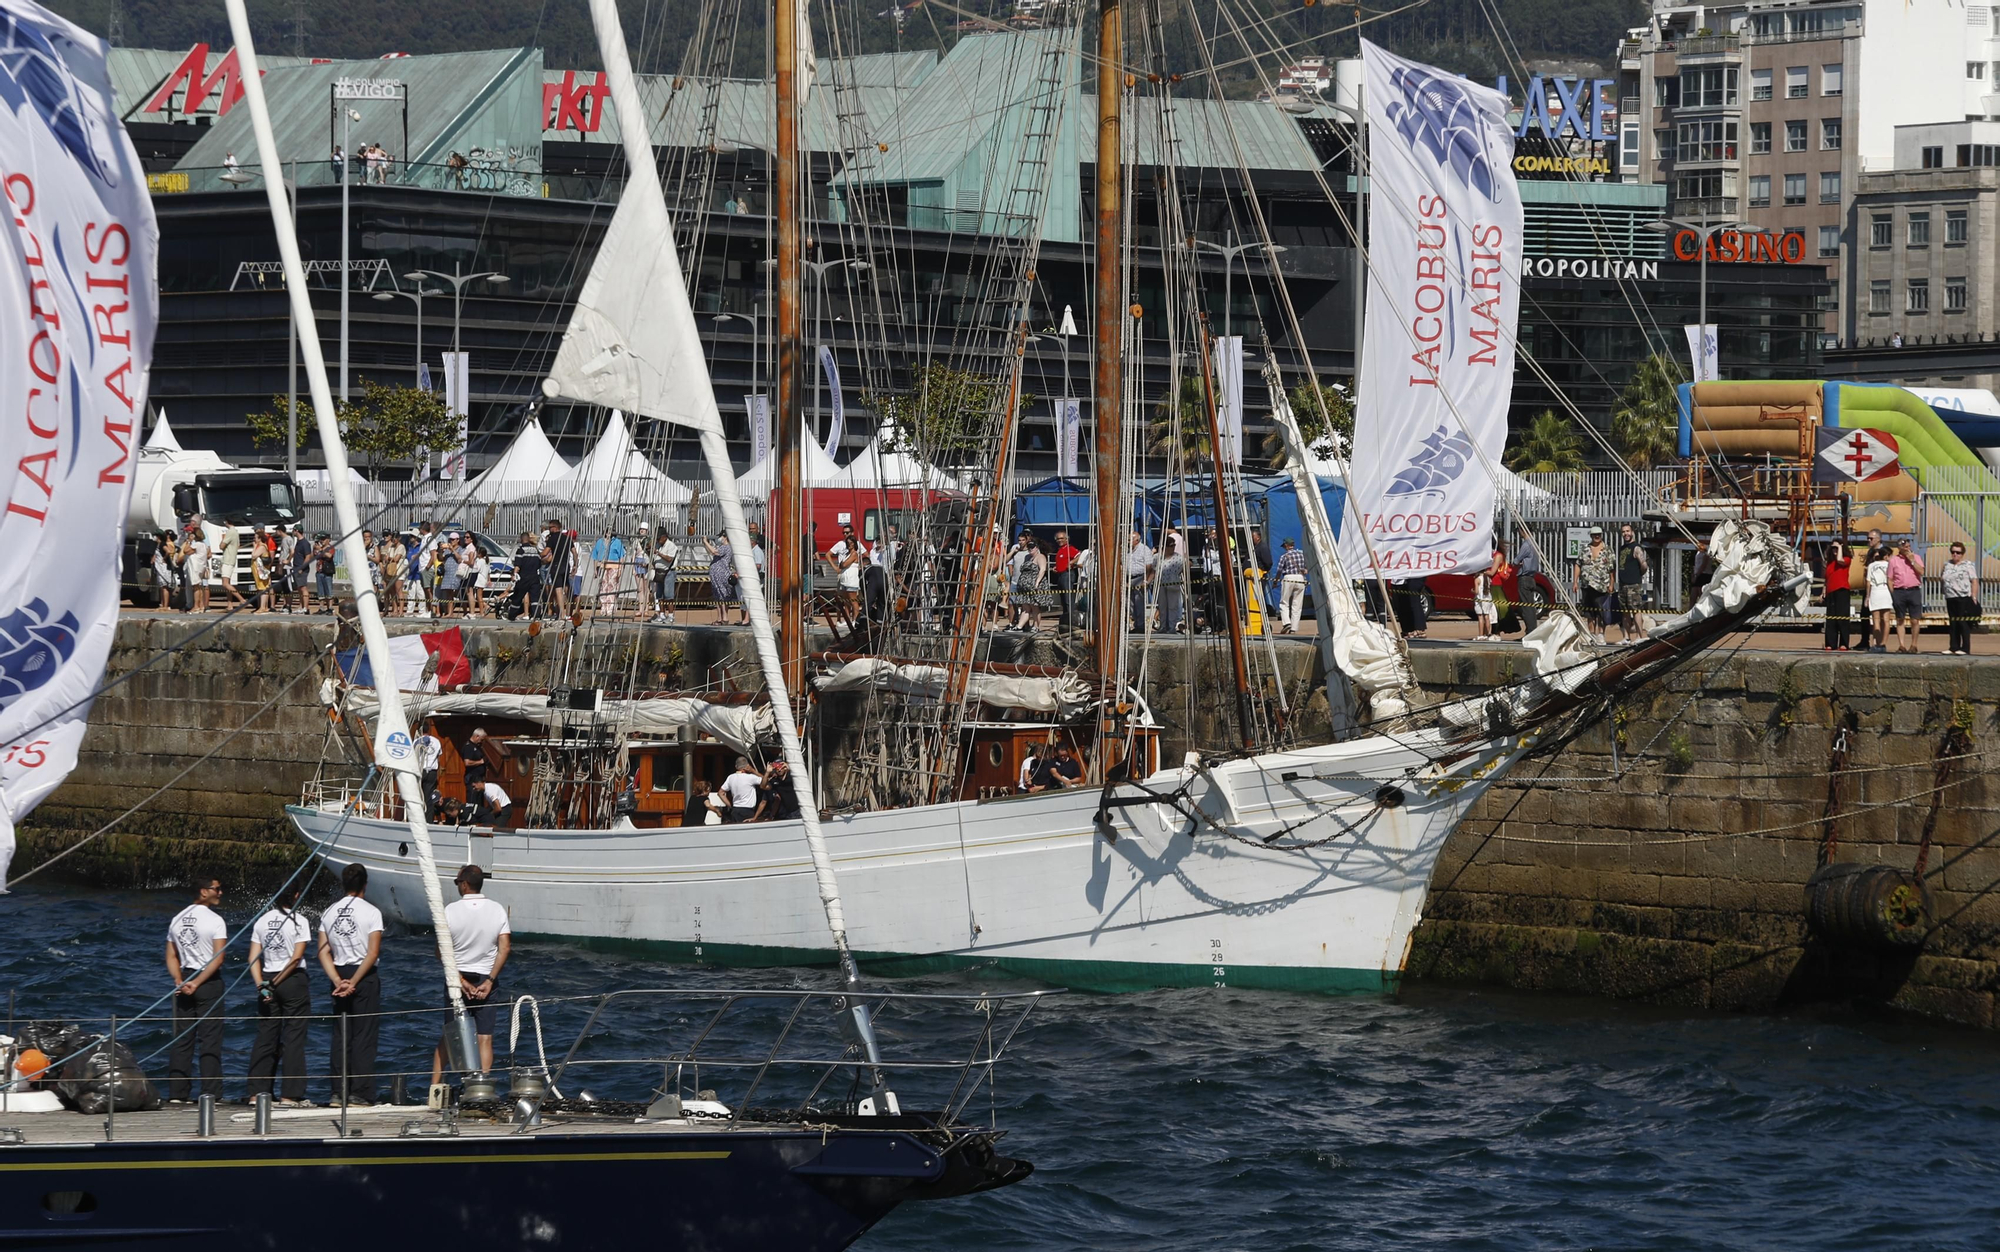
[(1224, 1119)]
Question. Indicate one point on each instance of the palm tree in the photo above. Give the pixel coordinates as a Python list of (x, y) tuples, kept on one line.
[(1325, 414), (1548, 445), (1646, 424), (1181, 428)]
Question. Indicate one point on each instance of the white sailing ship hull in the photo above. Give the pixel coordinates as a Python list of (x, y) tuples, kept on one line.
[(1028, 884)]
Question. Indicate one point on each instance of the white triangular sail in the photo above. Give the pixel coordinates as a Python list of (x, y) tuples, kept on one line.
[(74, 400)]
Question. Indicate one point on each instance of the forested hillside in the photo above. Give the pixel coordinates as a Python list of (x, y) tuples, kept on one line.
[(1475, 37)]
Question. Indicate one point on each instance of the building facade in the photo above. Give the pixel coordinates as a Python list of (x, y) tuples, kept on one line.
[(1770, 113)]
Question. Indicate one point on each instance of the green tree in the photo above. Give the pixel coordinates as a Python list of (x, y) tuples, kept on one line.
[(1179, 425), (1547, 445), (946, 417), (1325, 414), (1647, 421), (383, 425)]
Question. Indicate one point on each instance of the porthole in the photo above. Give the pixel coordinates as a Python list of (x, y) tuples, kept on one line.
[(994, 756)]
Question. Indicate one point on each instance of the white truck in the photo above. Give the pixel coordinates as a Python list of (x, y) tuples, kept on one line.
[(173, 485)]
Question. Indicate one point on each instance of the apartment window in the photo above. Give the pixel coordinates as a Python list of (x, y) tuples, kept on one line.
[(1978, 154), (1878, 298), (1829, 134), (1760, 191), (1666, 92), (1663, 142), (1975, 71), (1711, 139), (1795, 82), (1703, 186), (1795, 189), (1760, 138), (1933, 158), (1829, 80), (1955, 226), (1829, 241), (1920, 230), (1829, 187), (1881, 230), (1713, 87), (1918, 296), (1628, 153), (1795, 136), (1760, 84), (1954, 295)]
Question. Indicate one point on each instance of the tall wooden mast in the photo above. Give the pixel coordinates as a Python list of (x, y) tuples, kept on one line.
[(1108, 377), (791, 552)]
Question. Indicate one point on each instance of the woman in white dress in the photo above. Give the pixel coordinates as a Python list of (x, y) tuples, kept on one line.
[(1482, 604), (1879, 599), (482, 570)]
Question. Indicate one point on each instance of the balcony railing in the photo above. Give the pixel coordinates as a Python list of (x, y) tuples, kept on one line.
[(1706, 46), (1708, 206)]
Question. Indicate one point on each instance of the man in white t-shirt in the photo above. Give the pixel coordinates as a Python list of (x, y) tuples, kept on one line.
[(430, 755), (195, 941), (284, 997), (741, 788), (480, 940), (350, 948), (846, 556), (493, 804)]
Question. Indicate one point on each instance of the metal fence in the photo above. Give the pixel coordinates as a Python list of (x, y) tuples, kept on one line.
[(1940, 519)]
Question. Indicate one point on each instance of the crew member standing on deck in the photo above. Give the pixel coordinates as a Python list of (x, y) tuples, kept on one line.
[(472, 751), (741, 788), (430, 755), (195, 941), (350, 946), (284, 997), (480, 940)]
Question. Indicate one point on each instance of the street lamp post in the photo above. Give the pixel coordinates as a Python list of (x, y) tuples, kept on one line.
[(347, 118), (458, 282), (1359, 121), (1229, 253), (418, 296), (1705, 228)]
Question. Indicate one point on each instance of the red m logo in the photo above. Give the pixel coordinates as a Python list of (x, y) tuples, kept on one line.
[(192, 73)]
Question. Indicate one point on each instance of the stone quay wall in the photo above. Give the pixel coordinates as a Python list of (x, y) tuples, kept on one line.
[(1662, 856)]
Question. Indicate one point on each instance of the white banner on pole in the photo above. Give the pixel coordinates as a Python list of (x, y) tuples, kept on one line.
[(1069, 432), (838, 406), (1703, 351), (758, 407), (458, 399), (1229, 397), (1444, 294), (80, 250)]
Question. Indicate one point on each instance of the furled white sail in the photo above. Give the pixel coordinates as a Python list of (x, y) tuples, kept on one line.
[(1365, 651), (1062, 697), (738, 725), (80, 248)]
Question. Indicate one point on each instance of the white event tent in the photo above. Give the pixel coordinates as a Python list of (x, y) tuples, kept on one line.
[(524, 470), (616, 472), (162, 437)]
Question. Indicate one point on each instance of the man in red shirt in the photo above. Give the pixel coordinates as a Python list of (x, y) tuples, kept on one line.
[(1063, 577)]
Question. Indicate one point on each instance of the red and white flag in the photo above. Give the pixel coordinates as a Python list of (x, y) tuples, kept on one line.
[(1856, 456)]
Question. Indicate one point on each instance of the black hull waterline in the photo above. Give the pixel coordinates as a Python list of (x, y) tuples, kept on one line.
[(794, 1188)]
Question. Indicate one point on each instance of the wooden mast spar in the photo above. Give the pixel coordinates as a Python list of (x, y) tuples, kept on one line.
[(791, 553), (1108, 375)]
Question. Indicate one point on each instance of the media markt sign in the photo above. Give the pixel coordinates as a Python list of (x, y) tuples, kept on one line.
[(367, 89)]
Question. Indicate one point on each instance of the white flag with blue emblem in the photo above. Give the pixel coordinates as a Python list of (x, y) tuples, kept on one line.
[(1444, 298), (79, 296)]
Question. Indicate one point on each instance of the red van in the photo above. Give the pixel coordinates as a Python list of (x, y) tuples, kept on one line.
[(870, 510)]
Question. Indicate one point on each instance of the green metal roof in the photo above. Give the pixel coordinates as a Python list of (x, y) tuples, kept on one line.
[(1207, 134), (137, 74), (489, 102)]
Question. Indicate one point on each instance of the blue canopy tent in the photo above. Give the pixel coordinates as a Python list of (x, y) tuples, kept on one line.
[(1057, 502), (1280, 508)]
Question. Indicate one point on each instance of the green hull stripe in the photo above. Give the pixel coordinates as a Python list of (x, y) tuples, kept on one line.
[(1099, 976)]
